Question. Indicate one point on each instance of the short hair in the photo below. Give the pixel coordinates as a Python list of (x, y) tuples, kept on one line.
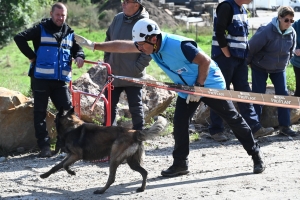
[(58, 5), (285, 10)]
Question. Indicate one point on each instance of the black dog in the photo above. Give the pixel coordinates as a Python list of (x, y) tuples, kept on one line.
[(85, 141)]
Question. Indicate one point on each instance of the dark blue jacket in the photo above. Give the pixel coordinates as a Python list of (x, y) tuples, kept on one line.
[(269, 49), (296, 59), (237, 33)]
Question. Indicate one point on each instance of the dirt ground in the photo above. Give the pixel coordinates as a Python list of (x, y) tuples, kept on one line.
[(217, 171)]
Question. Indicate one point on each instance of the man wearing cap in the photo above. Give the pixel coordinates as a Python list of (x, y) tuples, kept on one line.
[(132, 64)]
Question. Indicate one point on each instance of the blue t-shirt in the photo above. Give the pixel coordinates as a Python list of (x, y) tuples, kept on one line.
[(189, 50)]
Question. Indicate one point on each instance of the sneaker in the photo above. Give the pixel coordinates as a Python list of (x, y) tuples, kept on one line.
[(259, 165), (175, 170), (285, 130), (45, 152), (263, 132), (219, 137)]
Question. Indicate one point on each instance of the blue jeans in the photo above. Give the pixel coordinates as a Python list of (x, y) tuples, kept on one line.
[(259, 83), (235, 71), (182, 117)]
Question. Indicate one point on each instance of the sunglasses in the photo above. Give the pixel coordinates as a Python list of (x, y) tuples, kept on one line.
[(288, 20), (140, 44)]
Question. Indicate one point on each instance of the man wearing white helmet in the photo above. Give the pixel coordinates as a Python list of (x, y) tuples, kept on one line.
[(185, 64)]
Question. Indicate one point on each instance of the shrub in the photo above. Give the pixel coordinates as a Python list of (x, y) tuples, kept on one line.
[(106, 17), (85, 17)]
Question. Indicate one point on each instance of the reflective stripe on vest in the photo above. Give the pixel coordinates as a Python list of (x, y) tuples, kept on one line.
[(237, 33), (53, 60)]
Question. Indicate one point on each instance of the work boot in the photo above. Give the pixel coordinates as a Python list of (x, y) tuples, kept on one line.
[(179, 168), (285, 130), (263, 132), (259, 165), (45, 152), (219, 137)]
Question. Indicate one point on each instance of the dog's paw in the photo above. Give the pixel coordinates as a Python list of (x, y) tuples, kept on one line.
[(45, 175), (140, 189), (71, 172), (99, 191)]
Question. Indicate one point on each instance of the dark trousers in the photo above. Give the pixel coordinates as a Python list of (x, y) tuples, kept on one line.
[(225, 109), (59, 94), (297, 77), (134, 98), (259, 83), (235, 71)]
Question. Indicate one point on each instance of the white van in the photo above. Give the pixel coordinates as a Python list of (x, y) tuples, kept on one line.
[(266, 4), (295, 4)]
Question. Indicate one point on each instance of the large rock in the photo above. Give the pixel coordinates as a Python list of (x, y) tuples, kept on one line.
[(269, 117), (155, 100), (16, 121)]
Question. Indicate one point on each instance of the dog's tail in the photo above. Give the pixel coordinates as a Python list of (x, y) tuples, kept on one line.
[(154, 130)]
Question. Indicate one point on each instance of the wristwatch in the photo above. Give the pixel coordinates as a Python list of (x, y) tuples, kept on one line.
[(198, 84)]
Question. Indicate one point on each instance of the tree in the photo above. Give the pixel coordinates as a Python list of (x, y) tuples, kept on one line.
[(110, 4), (15, 15)]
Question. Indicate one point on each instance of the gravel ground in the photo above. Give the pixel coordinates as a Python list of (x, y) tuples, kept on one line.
[(217, 171)]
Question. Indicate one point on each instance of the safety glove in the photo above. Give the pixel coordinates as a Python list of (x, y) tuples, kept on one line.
[(84, 42), (192, 98)]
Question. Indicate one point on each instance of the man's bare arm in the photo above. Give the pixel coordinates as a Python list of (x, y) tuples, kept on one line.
[(117, 46), (203, 62)]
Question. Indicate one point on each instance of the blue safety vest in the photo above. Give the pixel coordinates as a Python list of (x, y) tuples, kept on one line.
[(54, 59), (181, 71), (237, 33)]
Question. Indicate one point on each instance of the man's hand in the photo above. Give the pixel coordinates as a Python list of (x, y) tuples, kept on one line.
[(84, 42), (297, 52), (32, 60), (192, 98), (79, 61)]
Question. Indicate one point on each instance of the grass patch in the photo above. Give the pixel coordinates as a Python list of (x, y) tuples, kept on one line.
[(194, 137)]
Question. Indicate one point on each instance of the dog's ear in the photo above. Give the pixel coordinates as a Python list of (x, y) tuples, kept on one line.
[(71, 111), (61, 111)]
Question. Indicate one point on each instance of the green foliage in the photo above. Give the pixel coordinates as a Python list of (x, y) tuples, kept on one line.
[(17, 14), (194, 137), (97, 120), (95, 1), (169, 112), (14, 67), (108, 4), (124, 119), (85, 17), (202, 35), (168, 130), (103, 5), (105, 18), (81, 2), (291, 80)]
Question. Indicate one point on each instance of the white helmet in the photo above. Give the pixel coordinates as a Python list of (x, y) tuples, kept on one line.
[(144, 27)]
